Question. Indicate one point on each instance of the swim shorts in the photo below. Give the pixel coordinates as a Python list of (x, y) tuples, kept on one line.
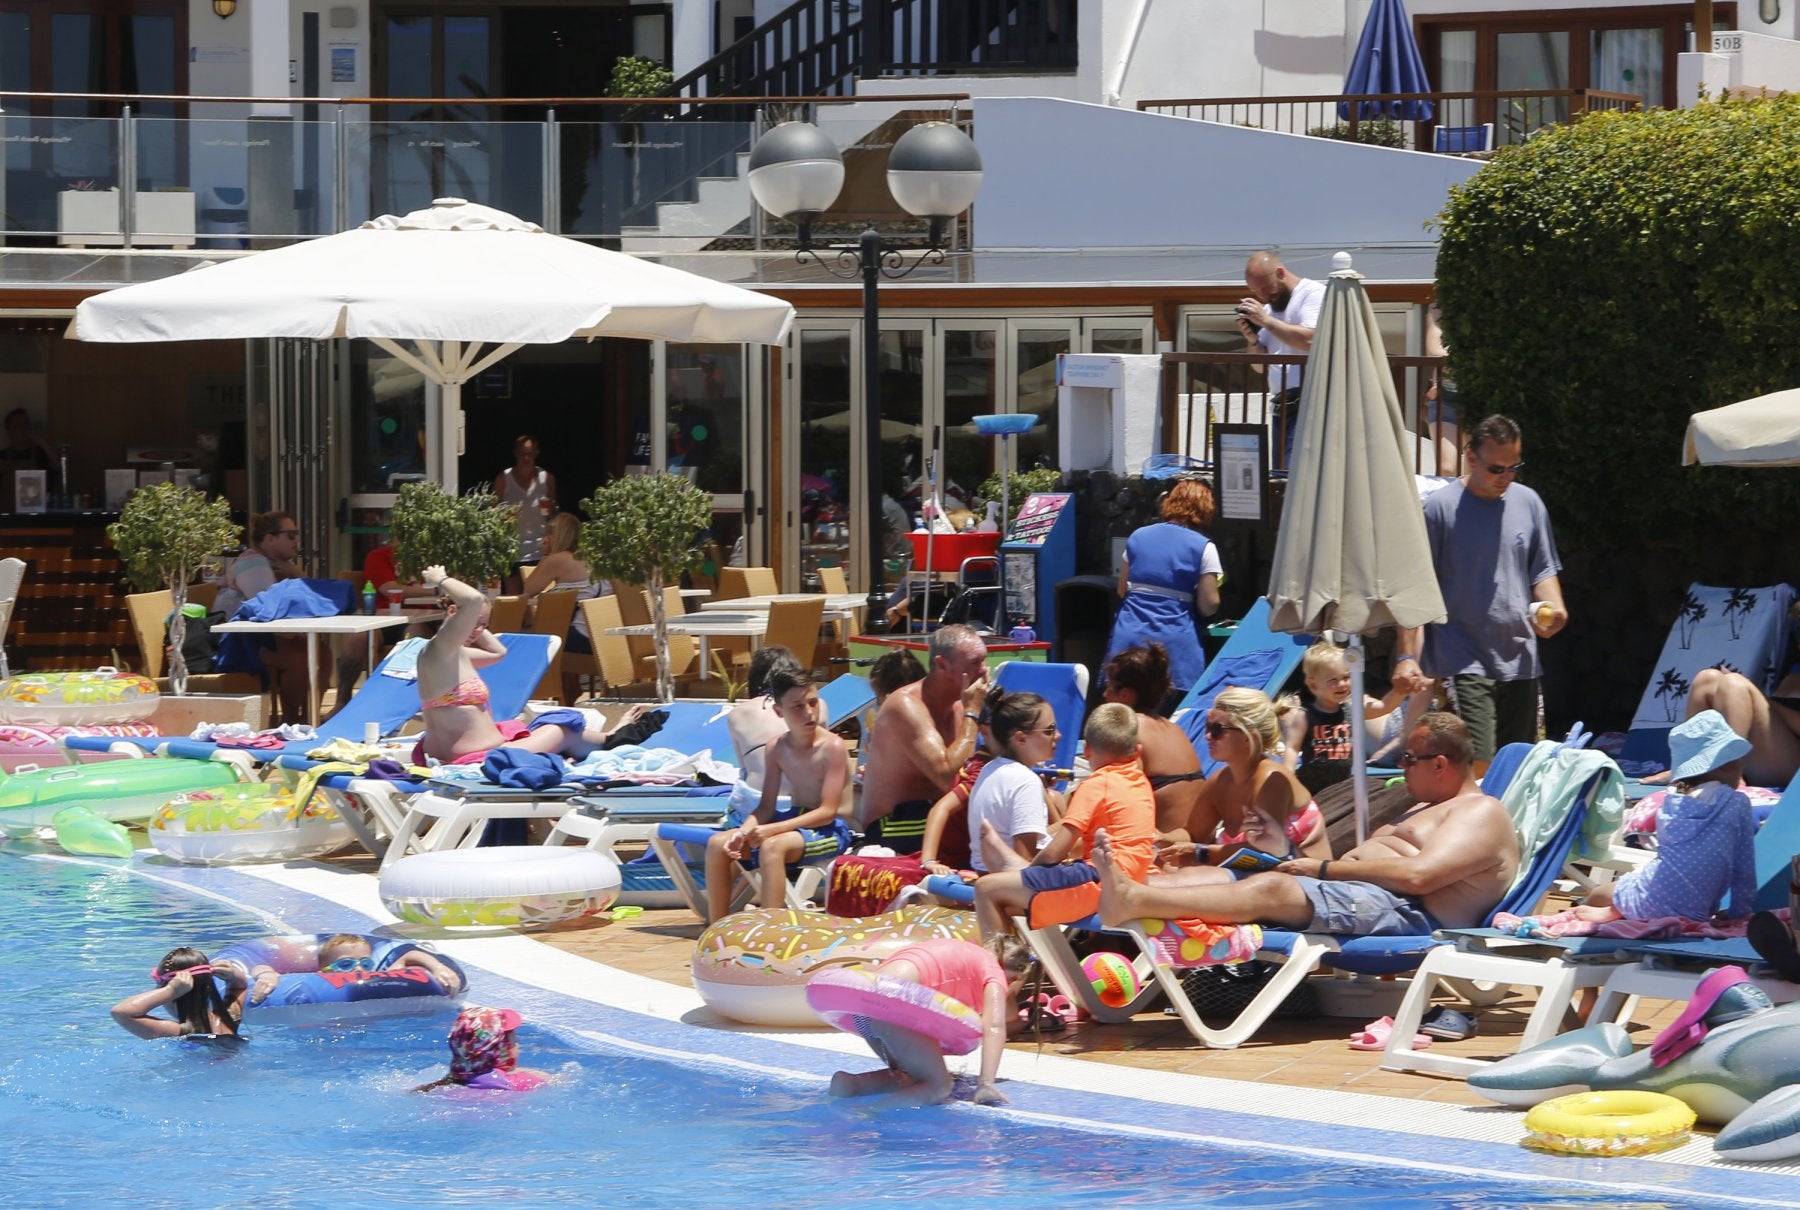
[(1363, 909), (1061, 894), (824, 842), (903, 828)]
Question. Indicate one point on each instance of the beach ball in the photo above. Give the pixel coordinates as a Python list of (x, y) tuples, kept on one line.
[(1115, 980)]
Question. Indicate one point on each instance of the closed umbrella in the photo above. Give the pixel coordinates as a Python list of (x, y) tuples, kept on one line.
[(1387, 60), (1352, 554), (1764, 431)]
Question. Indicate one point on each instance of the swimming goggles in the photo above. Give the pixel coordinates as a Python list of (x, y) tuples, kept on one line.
[(158, 975), (344, 966)]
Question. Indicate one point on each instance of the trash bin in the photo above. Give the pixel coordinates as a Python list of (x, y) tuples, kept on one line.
[(1084, 616)]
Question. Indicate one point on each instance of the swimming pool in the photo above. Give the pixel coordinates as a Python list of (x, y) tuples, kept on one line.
[(321, 1116)]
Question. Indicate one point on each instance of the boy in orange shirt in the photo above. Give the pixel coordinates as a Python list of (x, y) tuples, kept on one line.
[(1053, 889)]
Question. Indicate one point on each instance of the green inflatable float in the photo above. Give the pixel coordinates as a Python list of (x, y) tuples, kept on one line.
[(116, 790)]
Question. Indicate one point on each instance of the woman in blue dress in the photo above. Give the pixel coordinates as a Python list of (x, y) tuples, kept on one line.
[(1169, 580)]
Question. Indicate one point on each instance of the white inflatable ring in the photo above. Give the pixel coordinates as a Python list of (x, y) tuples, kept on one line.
[(504, 887), (70, 699), (243, 823)]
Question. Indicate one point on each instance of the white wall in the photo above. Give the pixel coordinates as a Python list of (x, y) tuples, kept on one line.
[(1062, 174)]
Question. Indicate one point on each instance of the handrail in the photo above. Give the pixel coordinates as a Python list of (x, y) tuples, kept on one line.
[(133, 97), (1492, 94), (805, 31)]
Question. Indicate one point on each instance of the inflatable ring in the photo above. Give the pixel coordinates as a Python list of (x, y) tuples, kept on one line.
[(118, 790), (754, 966), (306, 995), (848, 999), (246, 822), (518, 886), (23, 747), (70, 699), (1622, 1122)]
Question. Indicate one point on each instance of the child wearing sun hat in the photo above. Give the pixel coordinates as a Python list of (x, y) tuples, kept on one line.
[(484, 1053), (1705, 833)]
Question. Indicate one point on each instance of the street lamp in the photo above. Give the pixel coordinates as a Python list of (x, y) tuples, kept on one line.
[(934, 172)]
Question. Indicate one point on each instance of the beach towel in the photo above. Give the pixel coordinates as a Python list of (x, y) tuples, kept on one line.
[(1546, 785), (1664, 928)]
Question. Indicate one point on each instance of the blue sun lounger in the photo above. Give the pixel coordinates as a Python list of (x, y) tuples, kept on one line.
[(1254, 657)]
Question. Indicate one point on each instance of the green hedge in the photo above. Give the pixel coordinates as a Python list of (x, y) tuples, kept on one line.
[(1601, 283)]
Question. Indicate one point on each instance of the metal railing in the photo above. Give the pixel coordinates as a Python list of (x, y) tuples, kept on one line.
[(1409, 119), (1200, 390)]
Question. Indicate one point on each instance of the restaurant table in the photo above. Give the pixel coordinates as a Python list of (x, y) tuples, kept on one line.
[(712, 624), (337, 624)]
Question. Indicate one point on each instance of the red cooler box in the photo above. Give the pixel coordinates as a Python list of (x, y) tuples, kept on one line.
[(949, 550)]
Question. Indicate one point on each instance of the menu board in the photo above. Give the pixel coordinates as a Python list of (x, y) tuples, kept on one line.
[(1038, 516)]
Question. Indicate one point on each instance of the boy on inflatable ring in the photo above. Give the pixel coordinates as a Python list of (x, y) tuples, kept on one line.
[(347, 953), (925, 1001)]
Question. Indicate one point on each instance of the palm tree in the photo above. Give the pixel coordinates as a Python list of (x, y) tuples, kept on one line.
[(1692, 610), (1672, 690), (1739, 606)]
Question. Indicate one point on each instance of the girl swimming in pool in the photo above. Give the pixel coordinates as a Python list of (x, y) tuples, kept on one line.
[(189, 984), (484, 1053)]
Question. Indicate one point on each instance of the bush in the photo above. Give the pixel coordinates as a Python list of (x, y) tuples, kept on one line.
[(1377, 132), (1599, 284), (1023, 484), (163, 534), (635, 76), (475, 537)]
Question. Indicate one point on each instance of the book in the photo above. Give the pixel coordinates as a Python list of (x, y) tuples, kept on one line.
[(1251, 861)]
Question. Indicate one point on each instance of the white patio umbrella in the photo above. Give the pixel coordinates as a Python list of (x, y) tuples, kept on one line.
[(1352, 554), (1764, 431), (450, 280)]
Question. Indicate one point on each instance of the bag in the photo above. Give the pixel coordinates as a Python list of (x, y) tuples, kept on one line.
[(1225, 991), (198, 646)]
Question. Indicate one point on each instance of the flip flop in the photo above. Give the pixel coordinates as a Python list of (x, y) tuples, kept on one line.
[(1448, 1024), (1375, 1035)]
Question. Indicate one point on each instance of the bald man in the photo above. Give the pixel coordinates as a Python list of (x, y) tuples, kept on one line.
[(1280, 317)]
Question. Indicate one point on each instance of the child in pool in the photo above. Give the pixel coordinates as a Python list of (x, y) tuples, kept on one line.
[(815, 765), (984, 978), (185, 983), (484, 1053), (347, 953)]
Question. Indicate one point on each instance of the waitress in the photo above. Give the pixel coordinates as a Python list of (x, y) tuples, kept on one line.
[(1169, 582)]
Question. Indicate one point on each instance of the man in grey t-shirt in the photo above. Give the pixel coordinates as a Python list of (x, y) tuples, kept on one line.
[(1495, 557)]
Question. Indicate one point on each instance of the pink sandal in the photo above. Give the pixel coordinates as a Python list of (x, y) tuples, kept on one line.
[(1375, 1035)]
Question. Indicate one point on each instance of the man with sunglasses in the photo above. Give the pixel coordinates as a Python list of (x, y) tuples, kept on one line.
[(349, 954), (1496, 564), (1446, 863)]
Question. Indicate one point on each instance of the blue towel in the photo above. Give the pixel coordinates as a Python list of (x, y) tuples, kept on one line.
[(523, 770), (287, 599)]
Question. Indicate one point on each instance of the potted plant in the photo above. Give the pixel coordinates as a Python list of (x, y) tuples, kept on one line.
[(163, 535), (475, 537), (647, 529)]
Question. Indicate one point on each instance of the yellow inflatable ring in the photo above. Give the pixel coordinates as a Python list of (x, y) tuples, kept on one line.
[(1622, 1122)]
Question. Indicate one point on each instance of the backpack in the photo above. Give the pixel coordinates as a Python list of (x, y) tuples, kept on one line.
[(199, 647)]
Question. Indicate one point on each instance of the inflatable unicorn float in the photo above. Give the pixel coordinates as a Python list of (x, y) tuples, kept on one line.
[(1732, 1057)]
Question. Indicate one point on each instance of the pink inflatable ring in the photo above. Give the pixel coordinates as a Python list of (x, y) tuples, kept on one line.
[(849, 999)]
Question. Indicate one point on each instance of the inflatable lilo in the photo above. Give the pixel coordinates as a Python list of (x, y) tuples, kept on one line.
[(392, 980), (517, 886), (118, 790), (246, 822), (1732, 1057), (73, 699), (753, 966)]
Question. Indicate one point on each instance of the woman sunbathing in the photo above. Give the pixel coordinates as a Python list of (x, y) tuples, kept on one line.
[(459, 729)]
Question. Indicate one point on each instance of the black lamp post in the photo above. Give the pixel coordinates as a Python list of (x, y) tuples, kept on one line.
[(934, 172)]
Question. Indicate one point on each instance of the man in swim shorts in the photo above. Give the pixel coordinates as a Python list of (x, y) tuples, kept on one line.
[(923, 735), (1446, 863)]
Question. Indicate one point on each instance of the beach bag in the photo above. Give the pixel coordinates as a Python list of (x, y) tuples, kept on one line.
[(199, 646), (1225, 991)]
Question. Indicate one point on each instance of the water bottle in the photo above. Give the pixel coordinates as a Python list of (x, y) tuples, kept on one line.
[(368, 597), (1023, 633)]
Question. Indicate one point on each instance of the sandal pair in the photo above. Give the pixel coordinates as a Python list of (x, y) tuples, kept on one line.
[(1375, 1035), (1048, 1014)]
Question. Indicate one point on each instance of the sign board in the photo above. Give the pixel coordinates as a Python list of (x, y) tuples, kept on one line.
[(1035, 519), (1241, 461), (1727, 42), (1090, 370)]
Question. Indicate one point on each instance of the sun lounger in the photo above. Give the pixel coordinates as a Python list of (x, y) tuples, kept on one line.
[(1254, 657), (1065, 687)]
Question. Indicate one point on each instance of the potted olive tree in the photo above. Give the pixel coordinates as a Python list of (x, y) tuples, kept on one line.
[(163, 535), (474, 537), (646, 529)]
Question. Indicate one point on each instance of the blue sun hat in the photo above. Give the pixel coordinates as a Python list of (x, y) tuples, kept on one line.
[(1702, 744)]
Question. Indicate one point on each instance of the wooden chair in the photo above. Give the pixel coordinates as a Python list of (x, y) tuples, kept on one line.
[(507, 616), (795, 625), (149, 613), (734, 582), (684, 650), (634, 607), (203, 593), (832, 582), (552, 614), (761, 581), (612, 652)]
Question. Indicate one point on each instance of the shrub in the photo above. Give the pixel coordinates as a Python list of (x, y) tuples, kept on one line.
[(475, 537), (1377, 132), (1023, 484), (163, 535), (635, 76), (1600, 284)]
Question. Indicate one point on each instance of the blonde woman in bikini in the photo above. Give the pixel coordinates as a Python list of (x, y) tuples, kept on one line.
[(459, 729)]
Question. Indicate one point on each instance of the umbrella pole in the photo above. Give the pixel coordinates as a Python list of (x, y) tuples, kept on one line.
[(1359, 738)]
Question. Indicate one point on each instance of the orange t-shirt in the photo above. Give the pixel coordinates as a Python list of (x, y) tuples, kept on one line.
[(1116, 797)]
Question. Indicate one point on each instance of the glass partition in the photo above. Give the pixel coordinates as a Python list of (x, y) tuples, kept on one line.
[(499, 164), (615, 174), (61, 177), (272, 177)]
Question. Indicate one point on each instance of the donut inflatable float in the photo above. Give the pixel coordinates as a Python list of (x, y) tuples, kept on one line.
[(306, 995), (23, 747), (754, 966), (120, 790), (73, 699), (244, 823), (517, 886), (849, 998)]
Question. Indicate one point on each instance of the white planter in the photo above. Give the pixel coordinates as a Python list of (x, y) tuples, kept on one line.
[(90, 218)]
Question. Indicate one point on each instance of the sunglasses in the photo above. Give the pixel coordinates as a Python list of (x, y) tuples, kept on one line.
[(1494, 468), (1218, 730), (162, 976), (1408, 759), (1052, 729), (287, 533), (344, 966)]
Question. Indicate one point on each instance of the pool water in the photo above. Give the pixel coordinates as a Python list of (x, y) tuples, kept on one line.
[(324, 1116)]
